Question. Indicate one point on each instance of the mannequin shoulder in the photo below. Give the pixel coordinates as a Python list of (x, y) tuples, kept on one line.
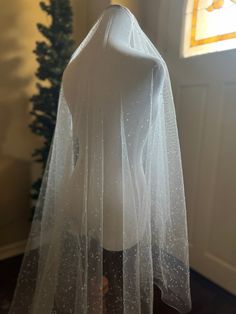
[(114, 62), (135, 56), (132, 63)]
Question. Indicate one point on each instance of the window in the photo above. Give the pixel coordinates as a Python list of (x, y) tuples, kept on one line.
[(209, 26)]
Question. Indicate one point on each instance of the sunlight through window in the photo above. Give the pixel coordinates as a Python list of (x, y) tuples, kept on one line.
[(209, 26)]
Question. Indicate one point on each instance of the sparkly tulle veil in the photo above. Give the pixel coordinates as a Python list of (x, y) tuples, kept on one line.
[(65, 258)]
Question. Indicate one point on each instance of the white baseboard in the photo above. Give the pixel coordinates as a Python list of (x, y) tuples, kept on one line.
[(13, 249)]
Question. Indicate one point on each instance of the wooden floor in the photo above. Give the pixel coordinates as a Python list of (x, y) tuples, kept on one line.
[(207, 298)]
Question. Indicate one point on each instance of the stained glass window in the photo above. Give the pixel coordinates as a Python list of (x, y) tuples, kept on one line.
[(210, 25)]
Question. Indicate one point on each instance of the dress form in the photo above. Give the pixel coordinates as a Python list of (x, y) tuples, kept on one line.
[(115, 66)]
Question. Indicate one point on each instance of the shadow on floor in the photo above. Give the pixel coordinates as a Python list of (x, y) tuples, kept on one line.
[(207, 298)]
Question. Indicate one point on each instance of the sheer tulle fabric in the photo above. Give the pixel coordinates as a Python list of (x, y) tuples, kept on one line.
[(65, 260)]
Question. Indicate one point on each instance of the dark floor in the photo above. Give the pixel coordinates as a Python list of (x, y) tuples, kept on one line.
[(207, 298)]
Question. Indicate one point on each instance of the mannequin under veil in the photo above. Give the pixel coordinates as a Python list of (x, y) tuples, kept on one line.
[(116, 67), (112, 198), (127, 68)]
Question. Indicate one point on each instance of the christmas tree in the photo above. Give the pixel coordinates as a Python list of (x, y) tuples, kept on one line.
[(53, 54)]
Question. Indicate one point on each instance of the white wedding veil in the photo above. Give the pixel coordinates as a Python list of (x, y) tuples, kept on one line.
[(65, 260)]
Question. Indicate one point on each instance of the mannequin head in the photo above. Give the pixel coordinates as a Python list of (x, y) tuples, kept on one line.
[(115, 21)]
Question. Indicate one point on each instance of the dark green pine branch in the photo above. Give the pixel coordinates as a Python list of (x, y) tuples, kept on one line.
[(52, 55)]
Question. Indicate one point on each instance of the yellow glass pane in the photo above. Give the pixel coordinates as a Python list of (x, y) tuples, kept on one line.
[(212, 21)]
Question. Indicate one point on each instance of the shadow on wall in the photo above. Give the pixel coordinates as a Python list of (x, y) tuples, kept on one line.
[(15, 146), (13, 82)]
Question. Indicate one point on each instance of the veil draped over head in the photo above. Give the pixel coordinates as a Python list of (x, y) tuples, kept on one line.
[(65, 259)]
